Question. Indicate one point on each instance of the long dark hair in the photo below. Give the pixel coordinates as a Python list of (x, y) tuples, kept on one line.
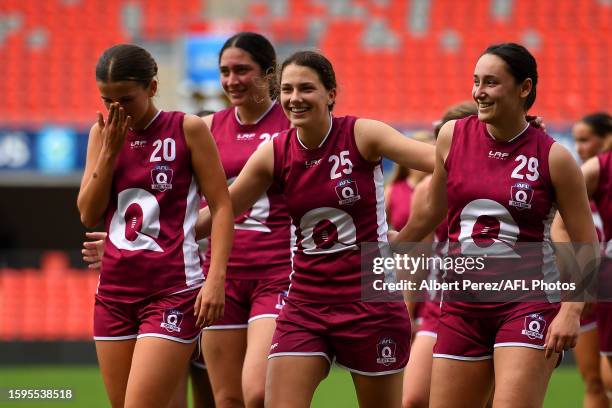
[(521, 65)]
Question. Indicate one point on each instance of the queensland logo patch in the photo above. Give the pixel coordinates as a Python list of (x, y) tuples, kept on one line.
[(172, 320), (347, 192), (521, 195), (385, 350), (162, 178), (534, 326), (280, 302)]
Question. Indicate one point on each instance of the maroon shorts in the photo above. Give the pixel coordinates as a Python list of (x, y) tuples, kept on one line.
[(469, 338), (604, 327), (365, 338), (170, 317), (427, 315), (251, 299)]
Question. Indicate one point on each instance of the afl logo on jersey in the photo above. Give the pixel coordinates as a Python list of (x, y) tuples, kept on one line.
[(347, 192), (162, 178), (521, 195), (172, 320)]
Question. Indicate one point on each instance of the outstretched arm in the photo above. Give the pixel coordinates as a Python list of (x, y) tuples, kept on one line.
[(432, 211), (252, 182), (377, 139)]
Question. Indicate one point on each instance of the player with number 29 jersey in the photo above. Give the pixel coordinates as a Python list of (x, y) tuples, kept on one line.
[(510, 202)]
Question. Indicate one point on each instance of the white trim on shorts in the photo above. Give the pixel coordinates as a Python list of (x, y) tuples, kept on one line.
[(103, 338), (462, 358), (298, 354), (588, 327), (164, 336), (263, 316), (426, 333), (226, 327), (190, 288), (518, 344), (606, 353), (201, 366), (369, 373)]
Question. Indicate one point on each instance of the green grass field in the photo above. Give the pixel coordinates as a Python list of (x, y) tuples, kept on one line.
[(336, 391)]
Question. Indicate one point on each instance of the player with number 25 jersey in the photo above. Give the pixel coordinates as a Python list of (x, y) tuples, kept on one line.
[(324, 296)]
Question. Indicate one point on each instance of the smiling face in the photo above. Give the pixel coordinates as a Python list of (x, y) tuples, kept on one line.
[(133, 97), (303, 96), (241, 77), (496, 91)]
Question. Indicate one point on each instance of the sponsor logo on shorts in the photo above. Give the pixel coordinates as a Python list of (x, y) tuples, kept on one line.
[(272, 347), (162, 178), (521, 195), (280, 302), (386, 351), (534, 326), (172, 320), (347, 192)]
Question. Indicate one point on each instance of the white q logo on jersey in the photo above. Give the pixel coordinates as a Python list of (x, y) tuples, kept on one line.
[(150, 221), (341, 220), (508, 230)]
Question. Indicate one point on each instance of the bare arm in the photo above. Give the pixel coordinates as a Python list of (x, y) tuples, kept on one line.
[(573, 204), (252, 182), (590, 172), (105, 143), (375, 139), (211, 180), (428, 215), (208, 121)]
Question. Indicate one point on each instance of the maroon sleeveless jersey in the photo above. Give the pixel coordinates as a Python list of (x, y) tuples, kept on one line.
[(400, 196), (603, 194), (603, 200), (151, 248), (262, 245), (499, 195), (336, 201), (597, 221)]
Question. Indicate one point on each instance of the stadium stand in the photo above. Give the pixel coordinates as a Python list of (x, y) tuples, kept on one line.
[(51, 303), (399, 61)]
